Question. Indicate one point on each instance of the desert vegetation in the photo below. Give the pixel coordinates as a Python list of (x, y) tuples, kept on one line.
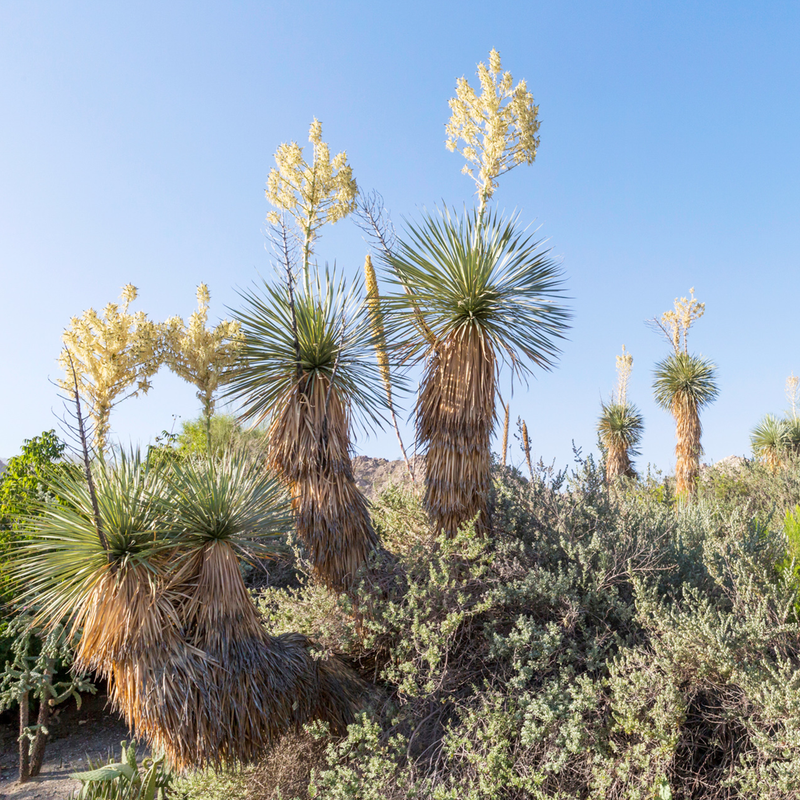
[(591, 633)]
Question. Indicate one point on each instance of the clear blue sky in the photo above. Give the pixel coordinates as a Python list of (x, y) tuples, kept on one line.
[(136, 141)]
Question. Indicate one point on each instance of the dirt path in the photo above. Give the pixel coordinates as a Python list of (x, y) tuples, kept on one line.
[(75, 735)]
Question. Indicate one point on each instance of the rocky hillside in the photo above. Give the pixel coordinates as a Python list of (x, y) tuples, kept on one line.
[(373, 475)]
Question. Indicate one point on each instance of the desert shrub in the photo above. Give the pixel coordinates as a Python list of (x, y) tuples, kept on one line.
[(593, 645)]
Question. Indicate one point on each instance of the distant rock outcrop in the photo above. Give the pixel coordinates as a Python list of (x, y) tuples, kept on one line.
[(2, 466), (373, 475)]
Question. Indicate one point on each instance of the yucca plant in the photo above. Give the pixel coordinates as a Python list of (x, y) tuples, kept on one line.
[(769, 440), (307, 368), (474, 293), (620, 425), (164, 613), (774, 438), (683, 385)]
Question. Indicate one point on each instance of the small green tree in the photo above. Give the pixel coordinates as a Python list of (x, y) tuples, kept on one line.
[(22, 487)]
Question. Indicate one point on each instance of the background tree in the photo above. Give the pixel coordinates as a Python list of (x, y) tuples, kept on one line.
[(110, 354), (201, 355), (620, 425), (23, 486), (683, 384)]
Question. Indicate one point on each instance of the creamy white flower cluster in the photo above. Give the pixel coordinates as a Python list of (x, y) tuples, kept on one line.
[(114, 355), (323, 191), (495, 130)]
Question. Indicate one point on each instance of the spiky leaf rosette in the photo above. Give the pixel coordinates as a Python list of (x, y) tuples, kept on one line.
[(256, 686), (129, 626), (61, 564), (620, 427), (165, 615), (474, 294), (682, 385), (769, 439), (308, 369)]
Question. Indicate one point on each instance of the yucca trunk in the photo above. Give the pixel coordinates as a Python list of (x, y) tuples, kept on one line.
[(191, 668), (688, 450), (310, 450), (618, 463), (455, 418)]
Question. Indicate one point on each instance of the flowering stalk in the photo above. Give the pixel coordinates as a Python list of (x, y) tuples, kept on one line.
[(376, 319), (495, 130), (313, 194)]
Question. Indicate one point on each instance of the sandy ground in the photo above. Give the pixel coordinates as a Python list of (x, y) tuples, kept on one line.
[(75, 736)]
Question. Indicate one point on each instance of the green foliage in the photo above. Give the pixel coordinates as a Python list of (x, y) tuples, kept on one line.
[(593, 645), (226, 433), (681, 377), (620, 426), (126, 779), (23, 485), (456, 274), (23, 482), (293, 339)]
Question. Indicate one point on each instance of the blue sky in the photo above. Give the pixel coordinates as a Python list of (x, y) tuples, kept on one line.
[(136, 140)]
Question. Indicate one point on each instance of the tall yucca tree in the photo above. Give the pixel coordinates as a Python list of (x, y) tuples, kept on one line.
[(473, 293), (620, 425), (683, 384), (163, 613), (307, 367)]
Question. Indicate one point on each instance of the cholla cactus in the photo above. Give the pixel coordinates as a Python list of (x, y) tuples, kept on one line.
[(200, 355), (110, 353), (313, 194), (495, 130)]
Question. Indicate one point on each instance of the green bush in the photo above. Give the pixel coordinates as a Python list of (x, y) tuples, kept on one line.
[(594, 645)]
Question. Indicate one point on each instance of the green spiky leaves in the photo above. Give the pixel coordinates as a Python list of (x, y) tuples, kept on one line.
[(458, 274), (300, 338), (151, 514), (621, 426), (685, 378)]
